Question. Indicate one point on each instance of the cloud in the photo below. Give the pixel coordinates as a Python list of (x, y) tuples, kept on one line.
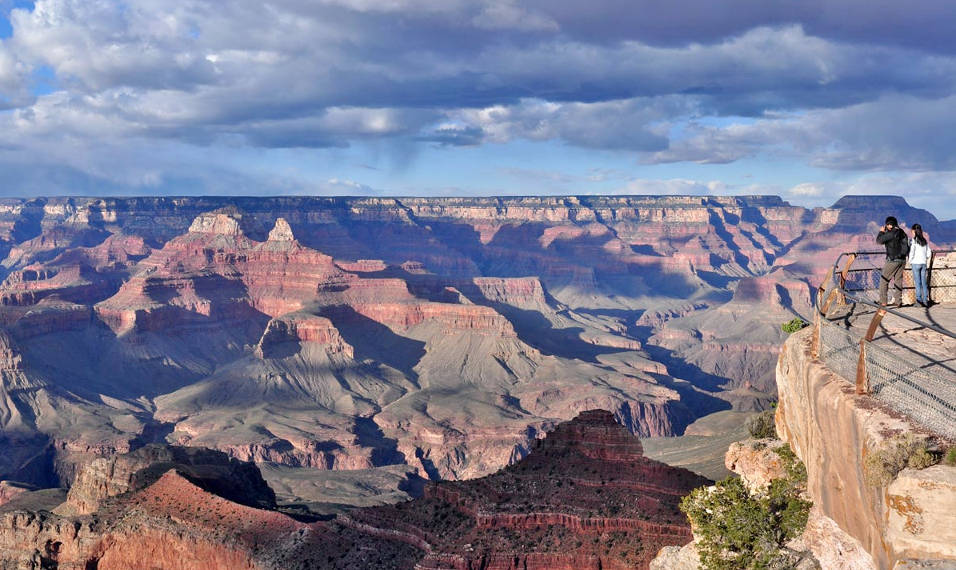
[(633, 124), (674, 186), (347, 187), (808, 189), (925, 24), (13, 80), (895, 132), (844, 86), (506, 14)]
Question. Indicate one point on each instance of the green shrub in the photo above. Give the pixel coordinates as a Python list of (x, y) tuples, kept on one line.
[(794, 325), (739, 529), (796, 470), (949, 458), (882, 465), (762, 425)]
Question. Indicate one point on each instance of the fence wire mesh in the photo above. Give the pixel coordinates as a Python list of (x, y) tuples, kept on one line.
[(925, 392), (839, 349), (864, 277)]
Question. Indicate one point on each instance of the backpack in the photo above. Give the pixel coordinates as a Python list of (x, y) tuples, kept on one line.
[(905, 247)]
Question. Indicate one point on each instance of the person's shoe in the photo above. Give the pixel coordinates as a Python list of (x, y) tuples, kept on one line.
[(921, 304)]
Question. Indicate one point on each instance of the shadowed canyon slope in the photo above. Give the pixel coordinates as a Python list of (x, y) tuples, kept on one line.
[(585, 497), (396, 336)]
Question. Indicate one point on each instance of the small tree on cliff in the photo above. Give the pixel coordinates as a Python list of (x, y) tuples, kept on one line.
[(738, 529), (794, 325)]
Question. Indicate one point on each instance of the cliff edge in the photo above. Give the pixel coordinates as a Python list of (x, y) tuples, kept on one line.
[(911, 516)]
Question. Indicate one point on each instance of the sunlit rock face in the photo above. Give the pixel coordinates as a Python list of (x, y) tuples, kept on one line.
[(833, 430), (442, 334)]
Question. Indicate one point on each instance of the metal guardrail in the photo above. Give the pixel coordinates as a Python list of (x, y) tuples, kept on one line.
[(839, 278), (923, 391)]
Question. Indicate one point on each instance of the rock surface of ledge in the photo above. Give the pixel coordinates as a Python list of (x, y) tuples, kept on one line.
[(833, 430)]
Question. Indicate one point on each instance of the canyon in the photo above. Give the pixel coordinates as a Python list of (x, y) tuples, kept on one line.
[(354, 347)]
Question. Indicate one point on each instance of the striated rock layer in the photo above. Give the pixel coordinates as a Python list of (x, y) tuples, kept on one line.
[(584, 498)]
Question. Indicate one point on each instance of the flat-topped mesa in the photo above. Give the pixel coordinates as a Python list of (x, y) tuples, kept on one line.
[(282, 231), (517, 291), (595, 434), (219, 222)]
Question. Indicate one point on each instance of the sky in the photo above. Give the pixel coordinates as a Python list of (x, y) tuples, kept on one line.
[(809, 99)]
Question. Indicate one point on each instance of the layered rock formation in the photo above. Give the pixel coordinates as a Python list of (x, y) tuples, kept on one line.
[(346, 333), (584, 498)]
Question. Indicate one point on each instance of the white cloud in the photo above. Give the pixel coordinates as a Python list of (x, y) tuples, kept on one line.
[(895, 132), (807, 189), (635, 124), (673, 186), (180, 79)]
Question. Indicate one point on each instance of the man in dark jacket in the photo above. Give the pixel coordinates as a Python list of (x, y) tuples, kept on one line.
[(897, 247)]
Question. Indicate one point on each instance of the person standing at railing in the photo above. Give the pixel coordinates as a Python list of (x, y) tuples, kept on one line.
[(897, 248), (919, 257)]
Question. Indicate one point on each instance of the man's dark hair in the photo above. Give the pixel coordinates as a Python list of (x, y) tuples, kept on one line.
[(891, 221)]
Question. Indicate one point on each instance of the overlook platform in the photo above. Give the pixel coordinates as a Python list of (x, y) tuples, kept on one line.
[(910, 342), (905, 357)]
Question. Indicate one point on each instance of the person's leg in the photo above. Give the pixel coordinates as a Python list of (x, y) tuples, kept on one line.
[(918, 274), (924, 279), (885, 281), (896, 276)]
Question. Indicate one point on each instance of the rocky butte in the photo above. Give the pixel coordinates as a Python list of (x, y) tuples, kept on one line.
[(585, 497)]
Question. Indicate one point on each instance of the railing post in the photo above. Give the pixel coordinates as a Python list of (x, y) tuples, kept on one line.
[(846, 270), (830, 298), (874, 324), (815, 343), (862, 380), (822, 288)]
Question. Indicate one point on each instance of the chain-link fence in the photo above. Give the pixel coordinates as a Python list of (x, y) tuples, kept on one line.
[(862, 276), (925, 391), (839, 349)]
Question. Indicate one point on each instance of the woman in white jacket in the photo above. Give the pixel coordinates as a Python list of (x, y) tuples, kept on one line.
[(918, 258)]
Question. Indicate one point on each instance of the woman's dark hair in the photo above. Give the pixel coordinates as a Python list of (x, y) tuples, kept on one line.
[(918, 234)]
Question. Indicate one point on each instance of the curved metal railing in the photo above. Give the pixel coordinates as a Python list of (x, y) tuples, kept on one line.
[(920, 386), (839, 277)]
